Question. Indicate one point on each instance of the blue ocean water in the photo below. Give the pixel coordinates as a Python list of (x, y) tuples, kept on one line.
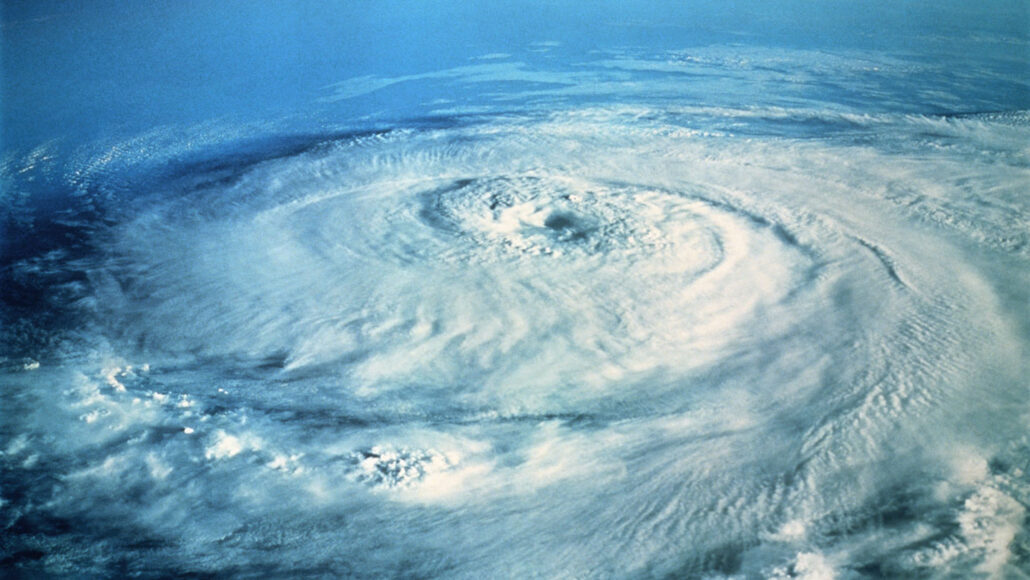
[(471, 290)]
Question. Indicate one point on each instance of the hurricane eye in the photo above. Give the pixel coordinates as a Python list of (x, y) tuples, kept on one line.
[(561, 222)]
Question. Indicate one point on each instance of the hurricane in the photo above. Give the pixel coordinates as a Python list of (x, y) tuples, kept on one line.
[(705, 307)]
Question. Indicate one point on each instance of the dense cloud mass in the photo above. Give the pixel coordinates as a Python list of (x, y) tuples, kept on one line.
[(601, 339)]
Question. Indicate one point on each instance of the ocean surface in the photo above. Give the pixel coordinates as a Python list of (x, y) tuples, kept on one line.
[(515, 290)]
